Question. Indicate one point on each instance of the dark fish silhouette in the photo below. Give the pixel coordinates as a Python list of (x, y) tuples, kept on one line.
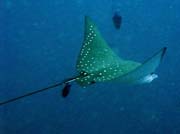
[(66, 90), (98, 63), (117, 20)]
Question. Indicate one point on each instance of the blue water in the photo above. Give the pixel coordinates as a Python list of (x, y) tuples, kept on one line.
[(39, 43)]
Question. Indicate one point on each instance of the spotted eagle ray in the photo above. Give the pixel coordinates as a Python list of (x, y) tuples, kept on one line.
[(98, 63)]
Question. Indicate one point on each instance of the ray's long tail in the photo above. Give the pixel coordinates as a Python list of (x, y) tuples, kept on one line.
[(65, 90)]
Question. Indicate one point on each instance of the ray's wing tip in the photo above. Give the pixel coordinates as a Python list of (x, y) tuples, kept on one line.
[(88, 21), (164, 49), (87, 18)]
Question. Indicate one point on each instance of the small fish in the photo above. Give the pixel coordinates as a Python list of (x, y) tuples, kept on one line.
[(117, 20), (66, 90)]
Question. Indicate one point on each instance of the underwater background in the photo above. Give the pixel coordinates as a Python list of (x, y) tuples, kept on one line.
[(39, 44)]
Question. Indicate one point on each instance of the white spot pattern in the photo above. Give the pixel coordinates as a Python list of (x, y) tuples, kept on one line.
[(94, 60)]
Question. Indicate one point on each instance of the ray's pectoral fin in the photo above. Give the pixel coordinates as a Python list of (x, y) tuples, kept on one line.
[(145, 72), (95, 56)]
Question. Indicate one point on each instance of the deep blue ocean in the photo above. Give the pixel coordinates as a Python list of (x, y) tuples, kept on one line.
[(39, 44)]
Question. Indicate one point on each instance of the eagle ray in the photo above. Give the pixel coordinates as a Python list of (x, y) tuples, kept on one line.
[(98, 63)]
